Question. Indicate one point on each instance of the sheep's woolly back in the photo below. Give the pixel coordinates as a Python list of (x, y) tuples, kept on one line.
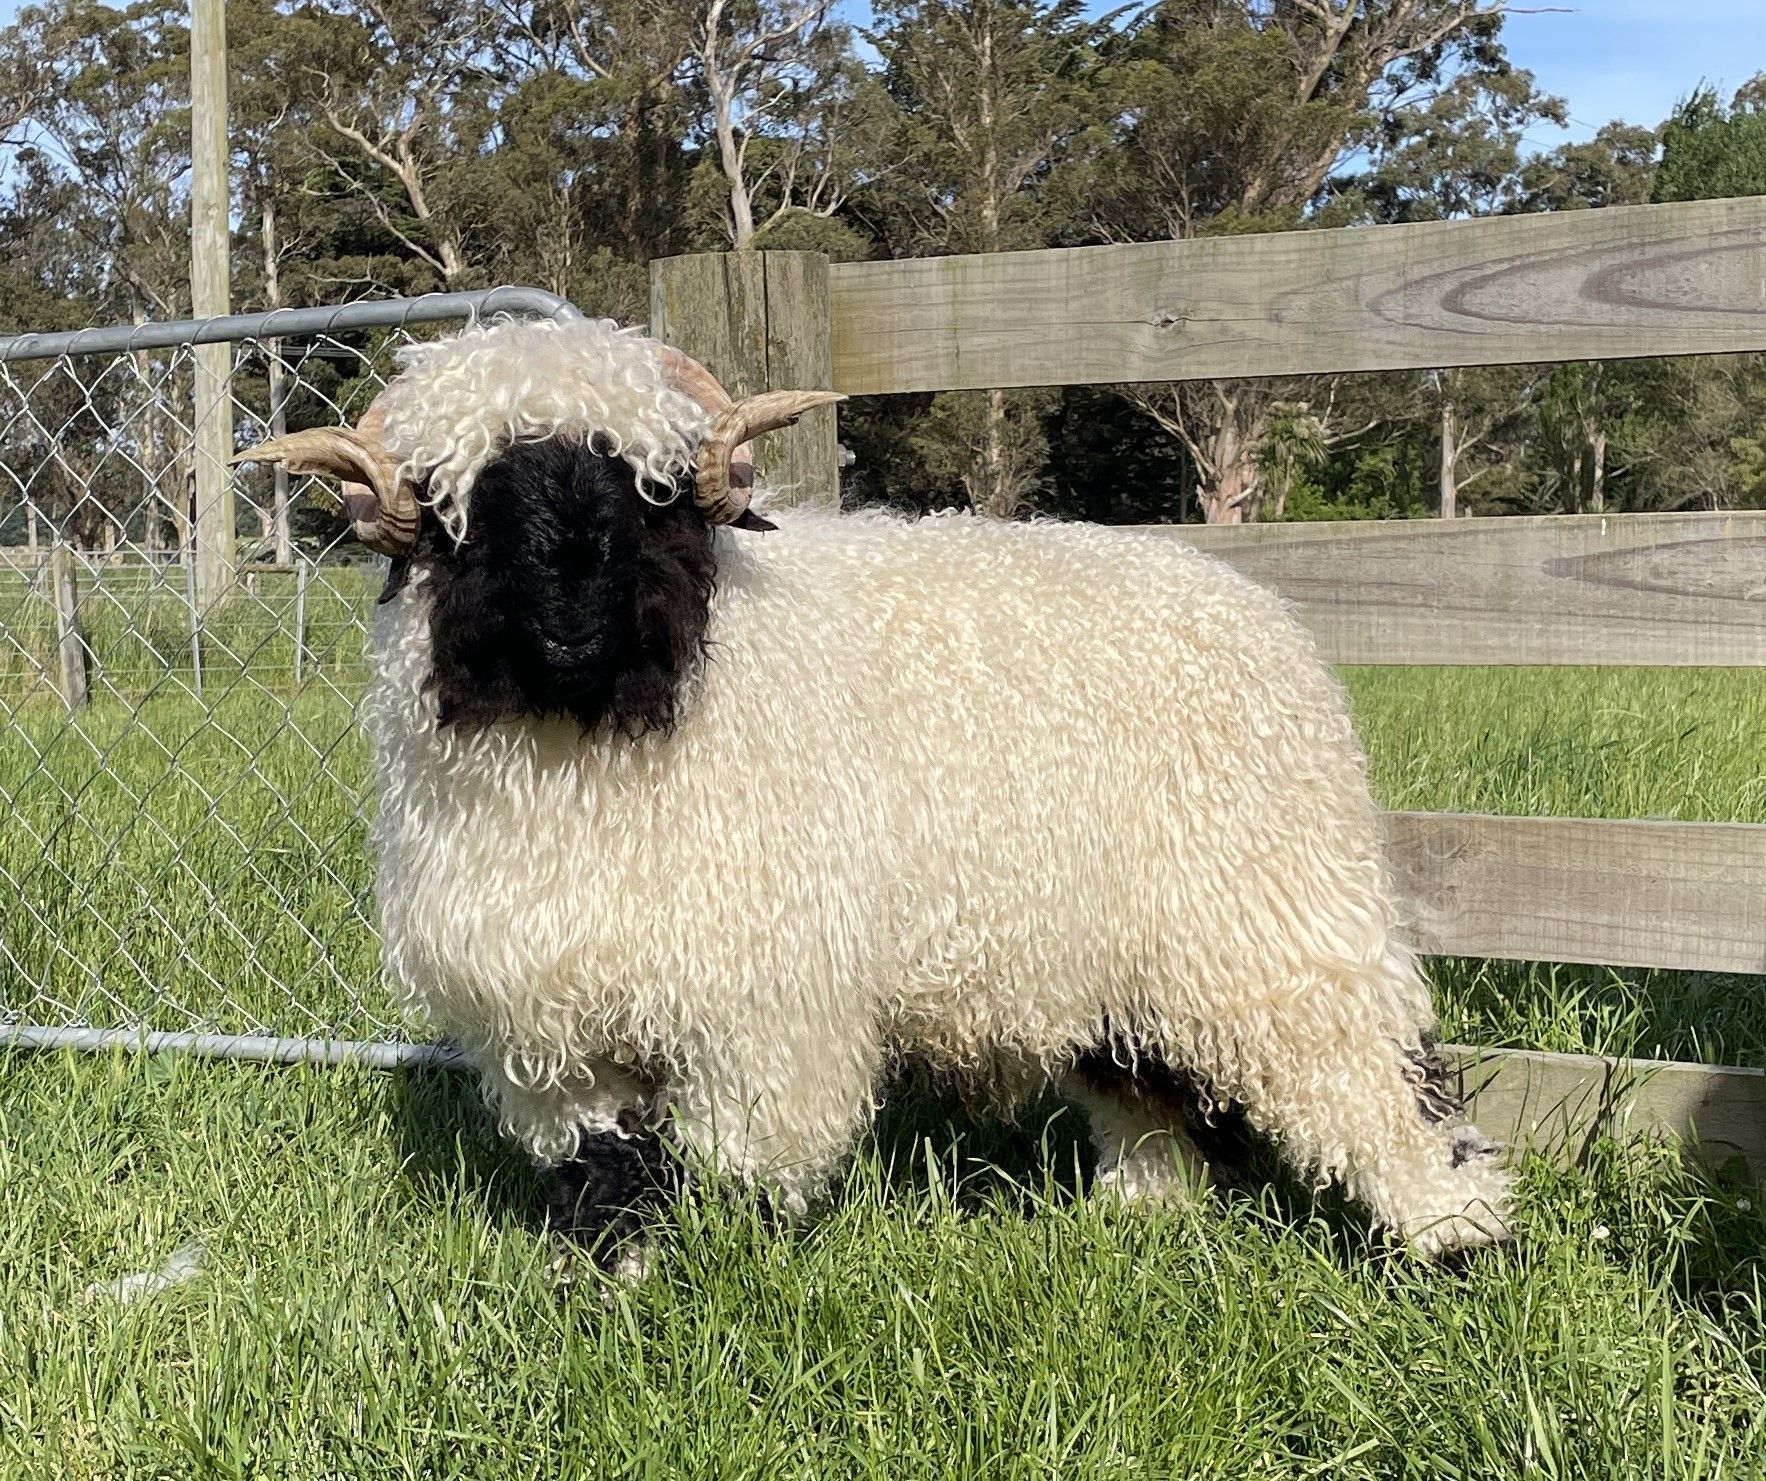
[(459, 402)]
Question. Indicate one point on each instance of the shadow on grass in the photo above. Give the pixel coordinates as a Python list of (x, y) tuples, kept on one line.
[(449, 1141), (1701, 1232), (924, 1140), (1683, 1223)]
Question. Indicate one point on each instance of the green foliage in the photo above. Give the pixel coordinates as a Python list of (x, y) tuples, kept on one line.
[(401, 146), (1709, 151), (1380, 482), (1617, 167), (988, 97)]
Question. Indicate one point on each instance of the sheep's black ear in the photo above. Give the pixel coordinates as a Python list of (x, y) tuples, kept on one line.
[(397, 574), (571, 595), (749, 520)]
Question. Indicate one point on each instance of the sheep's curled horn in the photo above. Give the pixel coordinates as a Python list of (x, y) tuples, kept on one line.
[(723, 475), (382, 506)]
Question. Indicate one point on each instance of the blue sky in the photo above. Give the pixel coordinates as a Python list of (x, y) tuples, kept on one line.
[(1634, 59)]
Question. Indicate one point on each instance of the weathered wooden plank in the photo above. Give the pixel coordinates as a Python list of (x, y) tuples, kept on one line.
[(1618, 893), (713, 306), (800, 357), (1632, 589), (1680, 279), (70, 641), (216, 531), (759, 321), (1553, 1104)]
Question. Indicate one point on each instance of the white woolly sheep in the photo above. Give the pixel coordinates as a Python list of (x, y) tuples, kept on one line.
[(694, 835)]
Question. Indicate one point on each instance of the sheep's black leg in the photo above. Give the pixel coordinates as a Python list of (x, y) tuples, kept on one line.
[(603, 1197)]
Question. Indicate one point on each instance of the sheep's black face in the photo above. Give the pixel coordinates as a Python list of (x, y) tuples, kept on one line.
[(572, 595)]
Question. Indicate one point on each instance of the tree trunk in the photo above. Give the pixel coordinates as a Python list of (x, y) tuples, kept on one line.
[(1449, 462), (1223, 501), (993, 494), (32, 538), (1597, 472), (1230, 484)]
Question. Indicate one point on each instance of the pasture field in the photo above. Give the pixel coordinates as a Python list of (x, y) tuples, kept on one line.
[(373, 1298)]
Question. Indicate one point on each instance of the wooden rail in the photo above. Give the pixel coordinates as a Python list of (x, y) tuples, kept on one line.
[(1684, 279), (1635, 589), (1553, 1104), (1614, 893)]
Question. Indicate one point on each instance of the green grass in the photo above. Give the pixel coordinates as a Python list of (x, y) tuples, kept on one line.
[(1601, 743), (135, 621), (374, 1303), (189, 864), (374, 1300)]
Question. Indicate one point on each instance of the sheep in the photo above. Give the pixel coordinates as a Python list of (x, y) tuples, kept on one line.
[(696, 823)]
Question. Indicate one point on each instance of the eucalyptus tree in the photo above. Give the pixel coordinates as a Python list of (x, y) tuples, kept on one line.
[(97, 196), (1241, 115), (989, 97), (400, 89)]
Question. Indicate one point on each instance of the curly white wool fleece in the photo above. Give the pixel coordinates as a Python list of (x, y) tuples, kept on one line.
[(459, 402), (955, 789)]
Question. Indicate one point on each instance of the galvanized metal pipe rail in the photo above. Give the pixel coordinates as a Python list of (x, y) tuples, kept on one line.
[(430, 308)]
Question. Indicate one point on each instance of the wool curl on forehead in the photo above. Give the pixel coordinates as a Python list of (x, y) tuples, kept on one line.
[(458, 403)]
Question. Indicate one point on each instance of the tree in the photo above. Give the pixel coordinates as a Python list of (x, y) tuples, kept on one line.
[(401, 87), (778, 77), (1295, 444), (1617, 167), (1709, 151), (988, 95), (99, 192), (1238, 115), (1480, 407), (604, 84)]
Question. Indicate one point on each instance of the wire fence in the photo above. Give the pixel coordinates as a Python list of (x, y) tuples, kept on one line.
[(184, 784)]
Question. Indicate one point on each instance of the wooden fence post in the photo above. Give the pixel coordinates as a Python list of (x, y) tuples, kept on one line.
[(70, 642), (759, 321), (300, 616), (214, 531)]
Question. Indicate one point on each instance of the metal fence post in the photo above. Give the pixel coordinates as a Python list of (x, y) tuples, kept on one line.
[(759, 321)]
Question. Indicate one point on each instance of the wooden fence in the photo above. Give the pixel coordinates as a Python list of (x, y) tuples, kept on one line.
[(1686, 589)]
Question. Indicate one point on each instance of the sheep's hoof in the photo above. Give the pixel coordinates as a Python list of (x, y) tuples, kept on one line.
[(1156, 1175), (571, 1266), (602, 1199), (1457, 1234)]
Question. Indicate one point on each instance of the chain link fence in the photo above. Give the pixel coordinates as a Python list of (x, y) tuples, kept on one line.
[(184, 784)]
